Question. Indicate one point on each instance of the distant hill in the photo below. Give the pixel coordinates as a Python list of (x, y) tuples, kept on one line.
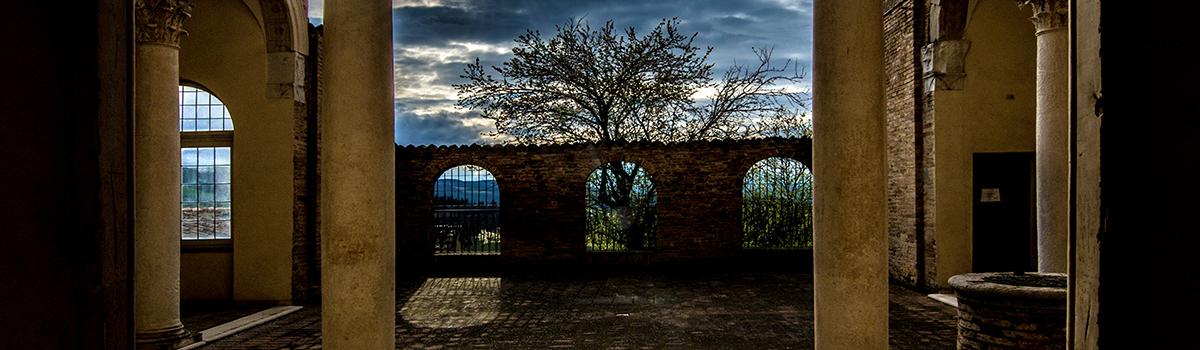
[(468, 192)]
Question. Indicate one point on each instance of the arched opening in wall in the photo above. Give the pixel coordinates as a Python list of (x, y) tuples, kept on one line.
[(777, 203), (206, 139), (620, 208), (466, 212)]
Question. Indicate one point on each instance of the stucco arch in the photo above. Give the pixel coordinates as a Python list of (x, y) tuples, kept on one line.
[(284, 23)]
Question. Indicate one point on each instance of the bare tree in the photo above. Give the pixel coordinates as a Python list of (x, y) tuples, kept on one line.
[(602, 85)]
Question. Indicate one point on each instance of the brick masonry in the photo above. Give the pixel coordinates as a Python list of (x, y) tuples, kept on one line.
[(912, 225), (699, 188), (306, 180), (901, 109), (996, 312)]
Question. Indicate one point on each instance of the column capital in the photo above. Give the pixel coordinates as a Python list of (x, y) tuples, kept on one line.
[(1047, 14), (161, 21)]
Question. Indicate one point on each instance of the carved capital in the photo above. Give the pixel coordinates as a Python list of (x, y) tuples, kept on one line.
[(1047, 14), (161, 21)]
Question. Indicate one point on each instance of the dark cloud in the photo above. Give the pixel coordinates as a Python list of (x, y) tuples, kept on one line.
[(731, 27), (424, 100), (437, 25), (440, 128)]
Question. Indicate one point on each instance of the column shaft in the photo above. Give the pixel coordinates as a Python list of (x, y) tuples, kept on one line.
[(1053, 151), (1053, 133), (156, 175), (358, 269), (850, 244), (156, 209)]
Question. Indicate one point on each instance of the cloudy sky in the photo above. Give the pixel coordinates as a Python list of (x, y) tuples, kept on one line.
[(436, 39)]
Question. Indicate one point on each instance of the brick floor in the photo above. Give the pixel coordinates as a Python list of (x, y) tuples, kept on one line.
[(714, 311), (198, 316)]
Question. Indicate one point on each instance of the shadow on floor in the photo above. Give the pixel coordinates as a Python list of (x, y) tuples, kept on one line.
[(632, 310)]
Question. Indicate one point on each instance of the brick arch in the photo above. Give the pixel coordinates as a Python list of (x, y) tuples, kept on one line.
[(642, 163), (436, 174), (802, 153), (747, 168), (436, 169), (427, 175), (697, 184)]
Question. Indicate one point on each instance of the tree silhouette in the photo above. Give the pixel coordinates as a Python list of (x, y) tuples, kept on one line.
[(600, 85), (603, 85)]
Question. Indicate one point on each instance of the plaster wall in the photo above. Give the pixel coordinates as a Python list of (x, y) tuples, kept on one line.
[(994, 112), (205, 274), (225, 52)]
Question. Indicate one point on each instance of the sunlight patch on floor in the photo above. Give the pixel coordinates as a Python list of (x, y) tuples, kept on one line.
[(453, 302)]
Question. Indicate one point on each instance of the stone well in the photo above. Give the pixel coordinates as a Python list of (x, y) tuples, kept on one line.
[(1011, 311)]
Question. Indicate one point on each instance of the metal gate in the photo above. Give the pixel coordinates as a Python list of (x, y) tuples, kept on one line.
[(466, 212)]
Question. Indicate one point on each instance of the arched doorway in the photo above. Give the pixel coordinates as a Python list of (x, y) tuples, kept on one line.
[(466, 212), (620, 206), (777, 203)]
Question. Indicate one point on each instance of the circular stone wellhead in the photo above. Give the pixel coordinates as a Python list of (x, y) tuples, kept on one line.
[(1004, 310)]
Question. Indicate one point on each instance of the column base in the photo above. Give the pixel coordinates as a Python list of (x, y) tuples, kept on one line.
[(169, 338)]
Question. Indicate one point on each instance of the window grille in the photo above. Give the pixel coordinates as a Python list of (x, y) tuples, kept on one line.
[(206, 193), (777, 205), (199, 110), (206, 161), (466, 212), (620, 208)]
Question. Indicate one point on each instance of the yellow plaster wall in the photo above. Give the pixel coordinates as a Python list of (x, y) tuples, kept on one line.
[(225, 51), (205, 275), (981, 118)]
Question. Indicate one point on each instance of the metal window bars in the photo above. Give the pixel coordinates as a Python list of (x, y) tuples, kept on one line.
[(620, 209), (206, 132), (205, 193), (466, 212), (777, 205), (199, 110)]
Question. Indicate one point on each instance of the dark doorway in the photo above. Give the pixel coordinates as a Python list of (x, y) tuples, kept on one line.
[(1005, 229)]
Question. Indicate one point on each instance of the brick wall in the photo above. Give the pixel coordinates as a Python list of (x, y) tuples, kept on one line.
[(698, 185), (912, 247), (901, 66), (1003, 311), (928, 198), (306, 181)]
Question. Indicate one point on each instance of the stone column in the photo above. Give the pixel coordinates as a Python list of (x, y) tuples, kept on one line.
[(1053, 133), (358, 255), (850, 253), (156, 174)]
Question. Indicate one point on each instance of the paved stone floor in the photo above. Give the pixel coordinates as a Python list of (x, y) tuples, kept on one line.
[(200, 316), (688, 311)]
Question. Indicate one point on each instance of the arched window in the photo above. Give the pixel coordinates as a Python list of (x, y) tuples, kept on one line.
[(466, 212), (206, 138), (777, 205), (620, 205)]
